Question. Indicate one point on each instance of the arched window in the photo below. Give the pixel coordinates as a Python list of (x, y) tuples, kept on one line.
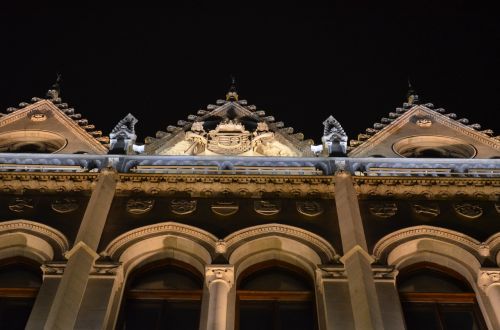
[(20, 280), (275, 295), (434, 297), (163, 295)]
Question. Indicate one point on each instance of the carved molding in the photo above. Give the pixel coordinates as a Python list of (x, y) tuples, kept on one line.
[(386, 243), (218, 273), (18, 182), (317, 243), (117, 246), (37, 229), (426, 187)]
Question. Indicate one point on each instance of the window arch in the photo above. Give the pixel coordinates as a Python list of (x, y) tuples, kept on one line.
[(435, 297), (275, 295), (20, 281), (162, 295)]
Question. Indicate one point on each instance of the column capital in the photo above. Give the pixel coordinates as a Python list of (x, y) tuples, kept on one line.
[(219, 273), (487, 277), (108, 269), (384, 274), (53, 269)]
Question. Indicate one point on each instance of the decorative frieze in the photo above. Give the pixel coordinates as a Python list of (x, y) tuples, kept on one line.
[(225, 208), (182, 206), (309, 208), (468, 210), (425, 210), (383, 209), (267, 207), (21, 204), (65, 205), (139, 205)]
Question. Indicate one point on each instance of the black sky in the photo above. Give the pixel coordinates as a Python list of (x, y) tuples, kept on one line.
[(299, 64)]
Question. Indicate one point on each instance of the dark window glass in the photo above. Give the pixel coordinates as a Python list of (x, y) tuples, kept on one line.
[(275, 296), (20, 281), (437, 298), (164, 295)]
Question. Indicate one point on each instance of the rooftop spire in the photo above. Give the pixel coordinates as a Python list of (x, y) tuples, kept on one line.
[(411, 96), (55, 90), (232, 95)]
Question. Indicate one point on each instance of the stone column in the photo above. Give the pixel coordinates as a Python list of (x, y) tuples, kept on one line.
[(81, 257), (489, 282), (333, 298), (388, 296), (219, 280), (356, 259)]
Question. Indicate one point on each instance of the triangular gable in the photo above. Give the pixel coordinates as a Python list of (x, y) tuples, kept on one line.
[(199, 134), (420, 127), (55, 126)]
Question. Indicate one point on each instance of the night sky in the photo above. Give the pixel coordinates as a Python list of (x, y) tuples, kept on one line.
[(298, 64)]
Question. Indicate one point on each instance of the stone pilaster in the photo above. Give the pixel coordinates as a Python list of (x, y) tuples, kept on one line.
[(219, 280), (388, 297), (357, 261), (333, 298), (70, 293)]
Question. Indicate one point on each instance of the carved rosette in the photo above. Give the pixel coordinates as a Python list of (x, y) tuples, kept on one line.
[(425, 210), (383, 209), (21, 204), (65, 205), (468, 210), (488, 277), (309, 208), (139, 205), (225, 208), (182, 206), (267, 207)]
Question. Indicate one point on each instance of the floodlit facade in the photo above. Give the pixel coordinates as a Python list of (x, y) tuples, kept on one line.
[(231, 220)]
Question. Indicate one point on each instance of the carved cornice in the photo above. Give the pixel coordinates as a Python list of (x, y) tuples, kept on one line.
[(387, 243), (45, 232), (200, 185), (18, 182), (119, 244), (427, 187), (317, 243)]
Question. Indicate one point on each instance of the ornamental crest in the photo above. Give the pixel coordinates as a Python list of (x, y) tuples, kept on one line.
[(229, 138), (21, 204), (267, 207), (182, 206), (428, 210), (309, 208), (139, 205), (383, 209), (65, 205), (225, 208), (468, 210)]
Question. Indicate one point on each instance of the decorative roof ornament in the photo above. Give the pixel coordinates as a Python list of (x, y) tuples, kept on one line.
[(411, 96), (54, 93), (232, 95), (334, 137), (123, 136)]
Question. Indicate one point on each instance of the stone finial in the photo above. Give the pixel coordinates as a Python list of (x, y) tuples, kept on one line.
[(334, 137), (54, 93), (123, 136), (411, 96), (232, 95)]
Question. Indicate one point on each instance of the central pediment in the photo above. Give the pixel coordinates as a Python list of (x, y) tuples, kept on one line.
[(230, 128)]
